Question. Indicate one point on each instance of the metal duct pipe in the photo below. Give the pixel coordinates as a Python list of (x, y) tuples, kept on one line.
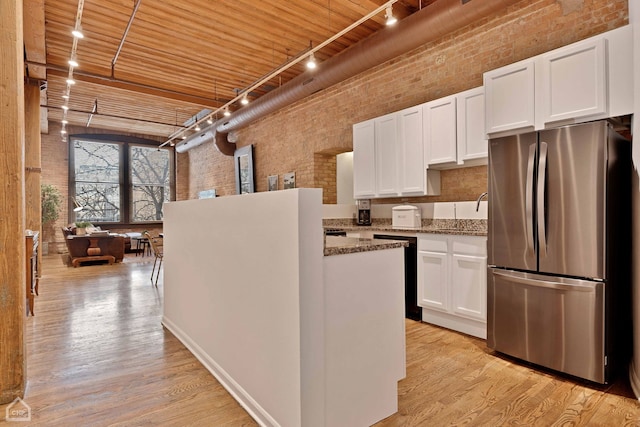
[(430, 23)]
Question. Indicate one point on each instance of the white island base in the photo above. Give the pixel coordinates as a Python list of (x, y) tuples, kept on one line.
[(299, 339)]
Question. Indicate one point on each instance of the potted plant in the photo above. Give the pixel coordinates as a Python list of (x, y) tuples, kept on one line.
[(81, 227), (51, 200)]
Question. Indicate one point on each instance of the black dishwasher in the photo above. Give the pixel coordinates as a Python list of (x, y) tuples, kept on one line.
[(412, 310)]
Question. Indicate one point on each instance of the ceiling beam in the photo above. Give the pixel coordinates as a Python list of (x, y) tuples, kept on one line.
[(135, 87)]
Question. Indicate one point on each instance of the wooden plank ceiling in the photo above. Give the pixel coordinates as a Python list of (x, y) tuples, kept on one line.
[(182, 56)]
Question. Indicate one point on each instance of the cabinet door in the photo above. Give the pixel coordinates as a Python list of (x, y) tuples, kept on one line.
[(364, 162), (411, 164), (439, 124), (433, 280), (469, 286), (472, 144), (510, 97), (386, 137), (574, 81)]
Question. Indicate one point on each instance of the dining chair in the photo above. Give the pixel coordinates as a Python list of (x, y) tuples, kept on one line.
[(156, 248)]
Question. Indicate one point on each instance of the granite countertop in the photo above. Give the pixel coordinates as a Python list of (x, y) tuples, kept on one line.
[(339, 245), (463, 227)]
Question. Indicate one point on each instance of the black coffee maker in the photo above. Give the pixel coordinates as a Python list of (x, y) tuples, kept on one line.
[(364, 211)]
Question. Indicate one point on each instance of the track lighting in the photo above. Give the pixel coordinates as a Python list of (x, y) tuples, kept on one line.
[(74, 62), (311, 63), (65, 96), (209, 121), (71, 81), (227, 113), (77, 32), (64, 121), (244, 100), (77, 206), (65, 108), (389, 15), (183, 137), (197, 128)]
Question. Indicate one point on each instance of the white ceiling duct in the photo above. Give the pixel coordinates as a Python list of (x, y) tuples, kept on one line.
[(205, 135)]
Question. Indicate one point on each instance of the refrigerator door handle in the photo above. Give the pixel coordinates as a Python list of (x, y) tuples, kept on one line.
[(529, 197), (572, 285), (542, 181)]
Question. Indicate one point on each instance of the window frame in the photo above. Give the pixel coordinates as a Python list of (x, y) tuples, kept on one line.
[(125, 174)]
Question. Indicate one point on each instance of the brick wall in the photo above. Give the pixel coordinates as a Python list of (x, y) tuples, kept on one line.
[(290, 139)]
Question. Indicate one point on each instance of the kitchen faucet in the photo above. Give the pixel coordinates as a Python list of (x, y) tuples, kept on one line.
[(480, 198)]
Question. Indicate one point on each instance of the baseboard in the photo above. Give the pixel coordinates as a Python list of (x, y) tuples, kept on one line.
[(254, 409)]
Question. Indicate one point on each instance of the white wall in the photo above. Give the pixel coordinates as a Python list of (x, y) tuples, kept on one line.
[(344, 178), (242, 276)]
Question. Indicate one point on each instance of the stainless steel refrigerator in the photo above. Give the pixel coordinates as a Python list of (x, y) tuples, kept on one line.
[(558, 247)]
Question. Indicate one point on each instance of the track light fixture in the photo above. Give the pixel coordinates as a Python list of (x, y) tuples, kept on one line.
[(64, 121), (74, 62), (65, 108), (71, 81), (77, 206), (63, 131), (209, 121), (77, 32), (244, 100), (226, 113), (389, 15), (311, 63)]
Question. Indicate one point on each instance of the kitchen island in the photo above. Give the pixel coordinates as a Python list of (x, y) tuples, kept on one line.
[(297, 337)]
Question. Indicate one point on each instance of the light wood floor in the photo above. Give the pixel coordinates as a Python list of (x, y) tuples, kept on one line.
[(98, 356)]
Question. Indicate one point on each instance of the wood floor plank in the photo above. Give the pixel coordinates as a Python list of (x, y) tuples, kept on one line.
[(98, 355)]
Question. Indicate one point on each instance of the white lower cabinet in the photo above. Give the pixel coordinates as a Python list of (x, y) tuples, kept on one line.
[(452, 282)]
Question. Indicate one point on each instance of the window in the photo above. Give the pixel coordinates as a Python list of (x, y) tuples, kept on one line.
[(149, 182), (118, 182)]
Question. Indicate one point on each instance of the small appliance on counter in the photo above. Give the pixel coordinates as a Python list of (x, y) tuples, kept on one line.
[(406, 217), (364, 211)]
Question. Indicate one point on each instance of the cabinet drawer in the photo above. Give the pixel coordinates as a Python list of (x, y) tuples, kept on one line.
[(432, 242), (469, 245)]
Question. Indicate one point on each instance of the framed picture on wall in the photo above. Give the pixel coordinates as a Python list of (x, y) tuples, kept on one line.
[(272, 182), (243, 158), (289, 180)]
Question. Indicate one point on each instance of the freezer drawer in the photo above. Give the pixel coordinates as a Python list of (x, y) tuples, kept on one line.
[(550, 321)]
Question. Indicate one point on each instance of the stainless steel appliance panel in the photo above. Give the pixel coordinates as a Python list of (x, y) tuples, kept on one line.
[(571, 182), (551, 321), (511, 202)]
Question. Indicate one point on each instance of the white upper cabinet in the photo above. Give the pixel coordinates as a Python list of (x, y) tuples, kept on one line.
[(364, 160), (472, 143), (388, 158), (411, 159), (386, 137), (510, 97), (586, 80), (454, 130), (440, 131), (574, 81)]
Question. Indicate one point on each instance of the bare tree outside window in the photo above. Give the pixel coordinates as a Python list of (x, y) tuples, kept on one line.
[(97, 178), (119, 181), (149, 182)]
